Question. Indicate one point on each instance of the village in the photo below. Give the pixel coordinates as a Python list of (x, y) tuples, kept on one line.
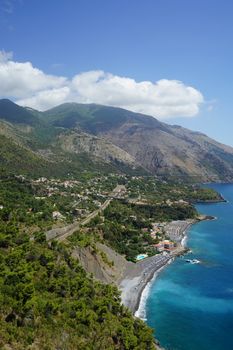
[(81, 201), (149, 224), (170, 236)]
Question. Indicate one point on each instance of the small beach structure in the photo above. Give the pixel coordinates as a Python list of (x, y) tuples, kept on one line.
[(141, 257), (165, 245), (168, 244), (159, 247)]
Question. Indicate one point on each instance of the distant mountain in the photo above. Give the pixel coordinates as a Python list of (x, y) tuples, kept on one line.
[(100, 136), (79, 142), (30, 145), (13, 113), (160, 148)]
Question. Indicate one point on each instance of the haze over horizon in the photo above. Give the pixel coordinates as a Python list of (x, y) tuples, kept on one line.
[(168, 59)]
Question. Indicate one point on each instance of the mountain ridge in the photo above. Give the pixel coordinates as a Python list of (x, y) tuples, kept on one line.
[(134, 139)]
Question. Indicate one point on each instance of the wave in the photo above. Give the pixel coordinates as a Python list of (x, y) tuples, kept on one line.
[(141, 311), (184, 241)]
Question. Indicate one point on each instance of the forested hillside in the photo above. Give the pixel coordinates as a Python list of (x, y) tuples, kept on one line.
[(47, 300)]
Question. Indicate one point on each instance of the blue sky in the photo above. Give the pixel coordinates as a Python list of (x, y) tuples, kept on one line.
[(145, 41)]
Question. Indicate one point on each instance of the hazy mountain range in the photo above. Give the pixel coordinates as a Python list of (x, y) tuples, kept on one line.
[(73, 137)]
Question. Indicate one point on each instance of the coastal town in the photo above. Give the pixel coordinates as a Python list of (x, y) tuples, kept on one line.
[(73, 204), (90, 201), (116, 175), (165, 236), (120, 230), (136, 278), (143, 219)]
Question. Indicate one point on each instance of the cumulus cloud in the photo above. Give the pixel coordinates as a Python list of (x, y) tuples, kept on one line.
[(19, 80), (29, 86)]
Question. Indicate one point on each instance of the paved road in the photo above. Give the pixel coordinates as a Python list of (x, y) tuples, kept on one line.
[(62, 233)]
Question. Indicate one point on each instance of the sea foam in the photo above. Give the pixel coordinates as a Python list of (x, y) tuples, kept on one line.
[(141, 311)]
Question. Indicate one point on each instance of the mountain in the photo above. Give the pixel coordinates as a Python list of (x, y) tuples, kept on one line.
[(90, 136), (29, 146), (80, 142), (11, 112), (160, 148)]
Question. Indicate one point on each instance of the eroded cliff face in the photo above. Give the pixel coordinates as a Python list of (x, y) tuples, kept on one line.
[(173, 150), (104, 263), (160, 148), (96, 147)]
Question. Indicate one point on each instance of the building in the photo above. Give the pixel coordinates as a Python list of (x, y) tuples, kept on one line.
[(165, 245)]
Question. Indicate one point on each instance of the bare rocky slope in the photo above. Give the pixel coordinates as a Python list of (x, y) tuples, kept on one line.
[(78, 142), (160, 148), (106, 265), (175, 151), (116, 137)]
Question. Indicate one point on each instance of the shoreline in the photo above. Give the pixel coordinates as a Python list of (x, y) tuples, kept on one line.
[(136, 283), (138, 308), (146, 287), (137, 277), (140, 312), (154, 274)]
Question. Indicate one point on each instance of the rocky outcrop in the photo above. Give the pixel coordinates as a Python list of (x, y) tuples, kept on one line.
[(96, 147), (104, 263)]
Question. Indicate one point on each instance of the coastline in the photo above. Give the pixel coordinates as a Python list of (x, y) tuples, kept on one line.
[(135, 284), (140, 312), (137, 276), (136, 279), (160, 300), (138, 293)]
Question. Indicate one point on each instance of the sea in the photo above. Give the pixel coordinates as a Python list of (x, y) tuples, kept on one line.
[(190, 306)]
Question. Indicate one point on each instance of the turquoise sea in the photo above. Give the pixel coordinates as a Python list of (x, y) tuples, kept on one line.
[(191, 306)]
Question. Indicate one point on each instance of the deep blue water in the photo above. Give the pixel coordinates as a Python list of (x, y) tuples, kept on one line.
[(191, 306)]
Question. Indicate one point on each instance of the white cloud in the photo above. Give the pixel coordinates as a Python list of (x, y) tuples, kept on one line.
[(5, 56), (30, 86), (19, 80)]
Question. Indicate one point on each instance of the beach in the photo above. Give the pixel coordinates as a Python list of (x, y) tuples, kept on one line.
[(138, 278), (194, 300), (134, 285)]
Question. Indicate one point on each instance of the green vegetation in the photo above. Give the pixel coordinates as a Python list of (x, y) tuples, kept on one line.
[(91, 118), (17, 159), (47, 301), (13, 113), (126, 226), (20, 206), (27, 160), (156, 191)]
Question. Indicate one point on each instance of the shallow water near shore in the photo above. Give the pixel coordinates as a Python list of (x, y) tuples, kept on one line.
[(191, 305)]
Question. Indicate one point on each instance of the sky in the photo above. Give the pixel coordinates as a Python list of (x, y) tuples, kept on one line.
[(172, 59)]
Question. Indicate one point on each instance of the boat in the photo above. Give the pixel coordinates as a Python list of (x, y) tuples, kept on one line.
[(193, 261)]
